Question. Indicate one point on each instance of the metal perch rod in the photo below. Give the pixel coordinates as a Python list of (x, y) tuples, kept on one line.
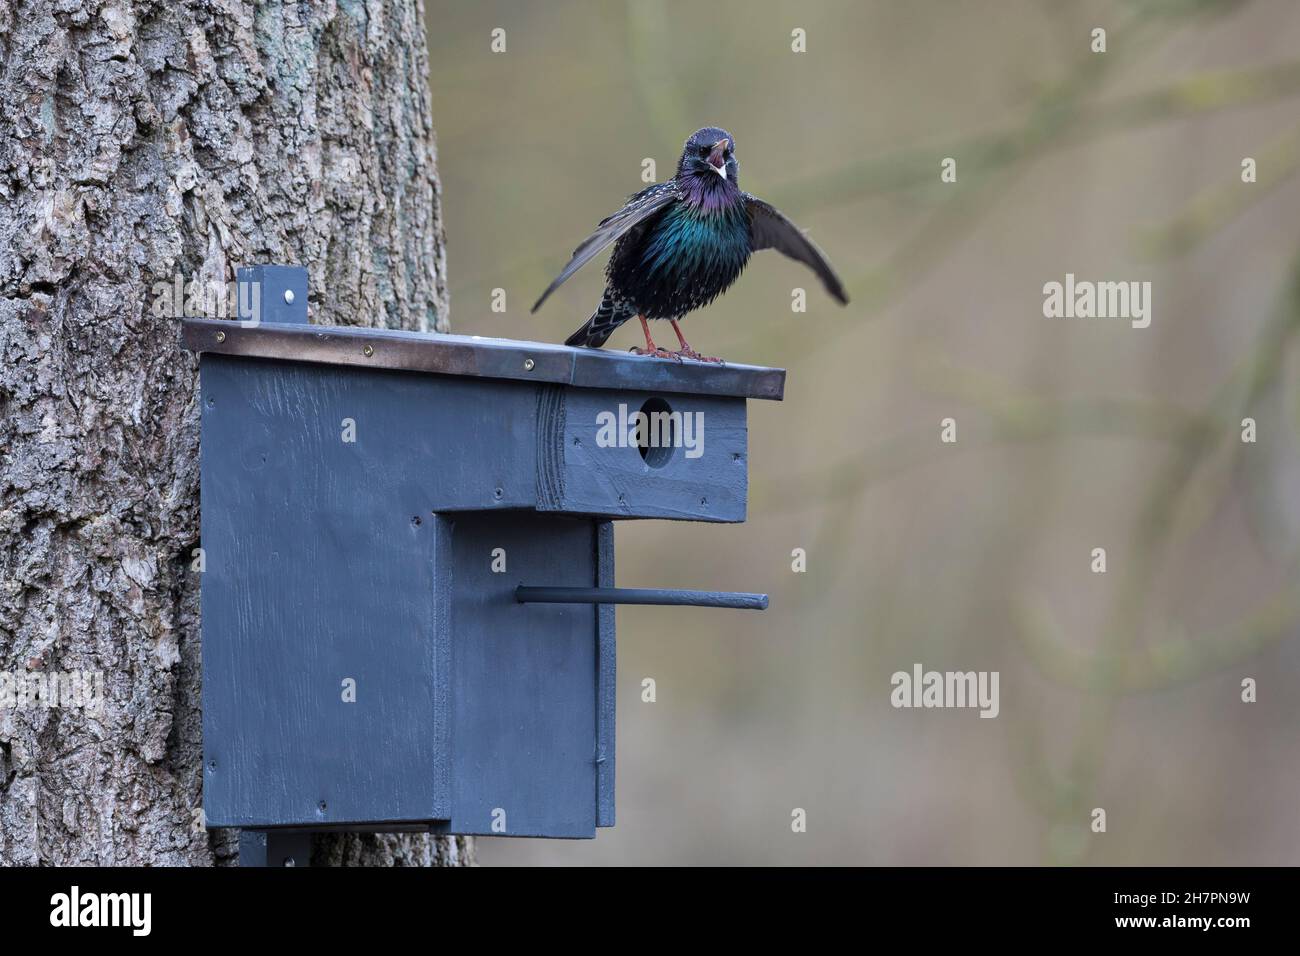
[(671, 596)]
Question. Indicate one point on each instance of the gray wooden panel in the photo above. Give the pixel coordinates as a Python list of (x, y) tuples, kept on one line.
[(619, 482), (321, 566), (524, 678), (606, 678)]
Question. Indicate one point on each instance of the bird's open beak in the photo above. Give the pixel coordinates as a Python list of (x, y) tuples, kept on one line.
[(716, 159)]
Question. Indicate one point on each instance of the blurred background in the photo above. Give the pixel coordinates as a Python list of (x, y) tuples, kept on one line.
[(1119, 690)]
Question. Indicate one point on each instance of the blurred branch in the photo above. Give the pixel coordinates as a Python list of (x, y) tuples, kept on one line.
[(1216, 207), (1023, 418), (1114, 661), (1054, 121), (649, 48), (1180, 500), (1058, 121), (1162, 664)]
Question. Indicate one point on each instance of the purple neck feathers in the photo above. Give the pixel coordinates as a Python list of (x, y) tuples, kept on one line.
[(709, 193)]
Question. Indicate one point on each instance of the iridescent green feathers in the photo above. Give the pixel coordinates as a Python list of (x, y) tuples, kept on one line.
[(680, 244)]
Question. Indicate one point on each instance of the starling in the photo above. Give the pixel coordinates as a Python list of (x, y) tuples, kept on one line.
[(680, 244)]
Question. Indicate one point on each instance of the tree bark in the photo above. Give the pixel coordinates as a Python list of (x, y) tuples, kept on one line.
[(140, 140)]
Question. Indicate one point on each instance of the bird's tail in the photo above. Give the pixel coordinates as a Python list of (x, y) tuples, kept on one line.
[(609, 315)]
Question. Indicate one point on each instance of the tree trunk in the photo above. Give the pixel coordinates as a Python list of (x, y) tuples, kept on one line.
[(141, 140)]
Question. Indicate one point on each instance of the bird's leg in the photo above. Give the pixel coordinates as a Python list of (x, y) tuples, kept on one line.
[(650, 347), (689, 352)]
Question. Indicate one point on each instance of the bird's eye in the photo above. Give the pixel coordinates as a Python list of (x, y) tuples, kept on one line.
[(705, 150)]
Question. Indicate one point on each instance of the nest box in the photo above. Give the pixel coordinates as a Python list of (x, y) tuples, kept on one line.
[(408, 593)]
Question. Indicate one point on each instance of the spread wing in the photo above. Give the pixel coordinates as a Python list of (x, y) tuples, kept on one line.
[(637, 209), (768, 229)]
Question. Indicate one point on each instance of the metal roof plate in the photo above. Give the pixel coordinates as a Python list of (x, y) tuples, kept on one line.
[(474, 355)]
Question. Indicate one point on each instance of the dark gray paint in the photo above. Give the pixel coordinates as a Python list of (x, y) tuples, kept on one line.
[(316, 572), (371, 560), (606, 674), (318, 569), (661, 597), (272, 284), (264, 848), (617, 481), (524, 678)]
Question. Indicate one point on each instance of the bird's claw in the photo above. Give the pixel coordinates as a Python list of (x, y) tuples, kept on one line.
[(656, 353), (687, 352)]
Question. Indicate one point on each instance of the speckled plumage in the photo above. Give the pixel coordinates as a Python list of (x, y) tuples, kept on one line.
[(680, 244), (680, 260)]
